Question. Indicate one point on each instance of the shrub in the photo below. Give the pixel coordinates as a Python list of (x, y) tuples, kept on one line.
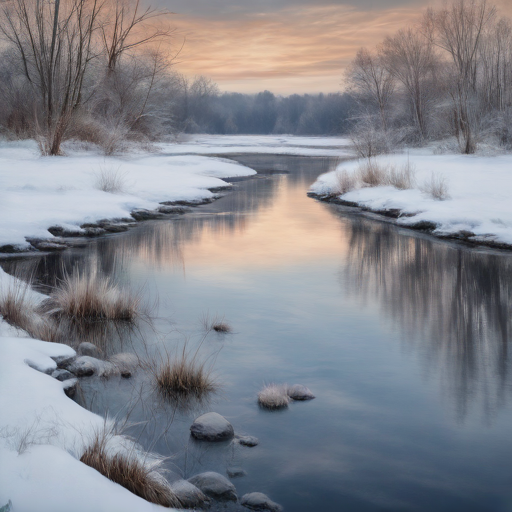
[(140, 475), (372, 173), (274, 397), (436, 187), (93, 296)]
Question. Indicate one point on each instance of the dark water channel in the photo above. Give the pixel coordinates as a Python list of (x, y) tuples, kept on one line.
[(404, 340)]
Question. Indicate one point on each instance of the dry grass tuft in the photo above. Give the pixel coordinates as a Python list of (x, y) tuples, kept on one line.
[(110, 180), (216, 323), (93, 296), (402, 178), (221, 327), (16, 306), (372, 173), (273, 397), (345, 182), (141, 477), (184, 375), (436, 187)]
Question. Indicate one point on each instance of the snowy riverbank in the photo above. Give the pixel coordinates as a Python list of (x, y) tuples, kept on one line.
[(43, 432), (40, 192), (478, 207)]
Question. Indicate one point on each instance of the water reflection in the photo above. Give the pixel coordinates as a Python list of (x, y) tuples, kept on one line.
[(451, 303)]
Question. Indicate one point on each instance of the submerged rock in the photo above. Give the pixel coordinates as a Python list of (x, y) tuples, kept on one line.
[(248, 441), (300, 392), (125, 362), (259, 501), (142, 214), (85, 366), (212, 427), (235, 472), (215, 485), (89, 349), (188, 494)]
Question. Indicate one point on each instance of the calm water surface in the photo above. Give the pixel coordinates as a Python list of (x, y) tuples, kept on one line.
[(403, 339)]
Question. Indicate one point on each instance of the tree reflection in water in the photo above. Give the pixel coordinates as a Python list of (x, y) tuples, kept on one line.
[(452, 303)]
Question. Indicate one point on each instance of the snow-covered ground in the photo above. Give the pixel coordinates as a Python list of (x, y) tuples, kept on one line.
[(479, 188), (260, 144), (42, 433), (38, 192)]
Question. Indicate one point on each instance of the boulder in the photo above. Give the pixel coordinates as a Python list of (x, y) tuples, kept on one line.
[(188, 494), (89, 349), (248, 441), (170, 209), (212, 427), (259, 501), (299, 392), (215, 485), (83, 366)]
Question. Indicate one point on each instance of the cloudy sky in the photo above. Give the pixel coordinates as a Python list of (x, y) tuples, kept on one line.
[(285, 46)]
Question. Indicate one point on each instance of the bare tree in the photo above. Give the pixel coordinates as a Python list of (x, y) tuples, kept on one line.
[(126, 27), (411, 59), (53, 41), (459, 30), (371, 80)]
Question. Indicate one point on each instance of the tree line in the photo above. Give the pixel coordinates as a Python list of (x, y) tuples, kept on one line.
[(450, 75)]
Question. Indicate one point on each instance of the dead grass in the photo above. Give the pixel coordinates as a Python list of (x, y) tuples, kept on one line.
[(216, 323), (372, 173), (436, 187), (111, 180), (402, 178), (184, 374), (273, 396), (143, 478), (16, 306), (345, 182), (93, 296)]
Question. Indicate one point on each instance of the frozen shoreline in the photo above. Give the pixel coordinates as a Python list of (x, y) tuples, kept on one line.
[(478, 210)]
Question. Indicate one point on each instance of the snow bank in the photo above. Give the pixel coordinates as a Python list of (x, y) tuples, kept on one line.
[(479, 187), (38, 192), (260, 144), (40, 430)]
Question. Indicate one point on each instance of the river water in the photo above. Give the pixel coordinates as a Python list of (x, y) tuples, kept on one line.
[(404, 340)]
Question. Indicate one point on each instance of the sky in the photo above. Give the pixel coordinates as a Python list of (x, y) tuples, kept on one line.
[(285, 46)]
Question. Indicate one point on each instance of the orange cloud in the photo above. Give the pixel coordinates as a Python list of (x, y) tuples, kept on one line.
[(300, 49)]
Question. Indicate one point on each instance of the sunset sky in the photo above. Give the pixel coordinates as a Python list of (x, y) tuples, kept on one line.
[(285, 46)]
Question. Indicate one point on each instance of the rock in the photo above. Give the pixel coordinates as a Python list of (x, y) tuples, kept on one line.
[(48, 245), (299, 392), (89, 349), (83, 366), (10, 249), (91, 232), (142, 214), (188, 494), (64, 361), (62, 375), (168, 209), (259, 501), (212, 427), (215, 485), (116, 228), (66, 232), (248, 441), (235, 472), (70, 386)]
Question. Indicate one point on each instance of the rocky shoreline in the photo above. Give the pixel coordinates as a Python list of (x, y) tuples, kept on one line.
[(465, 237)]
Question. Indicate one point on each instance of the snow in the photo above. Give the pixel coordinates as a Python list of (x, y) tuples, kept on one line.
[(479, 188), (38, 192), (260, 144), (43, 432)]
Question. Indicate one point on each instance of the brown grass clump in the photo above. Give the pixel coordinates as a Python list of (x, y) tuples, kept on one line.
[(141, 477), (402, 178), (373, 174), (90, 295), (184, 374), (215, 323), (221, 327), (273, 397), (345, 182)]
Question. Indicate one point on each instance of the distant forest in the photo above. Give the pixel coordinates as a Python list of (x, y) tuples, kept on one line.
[(202, 109)]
